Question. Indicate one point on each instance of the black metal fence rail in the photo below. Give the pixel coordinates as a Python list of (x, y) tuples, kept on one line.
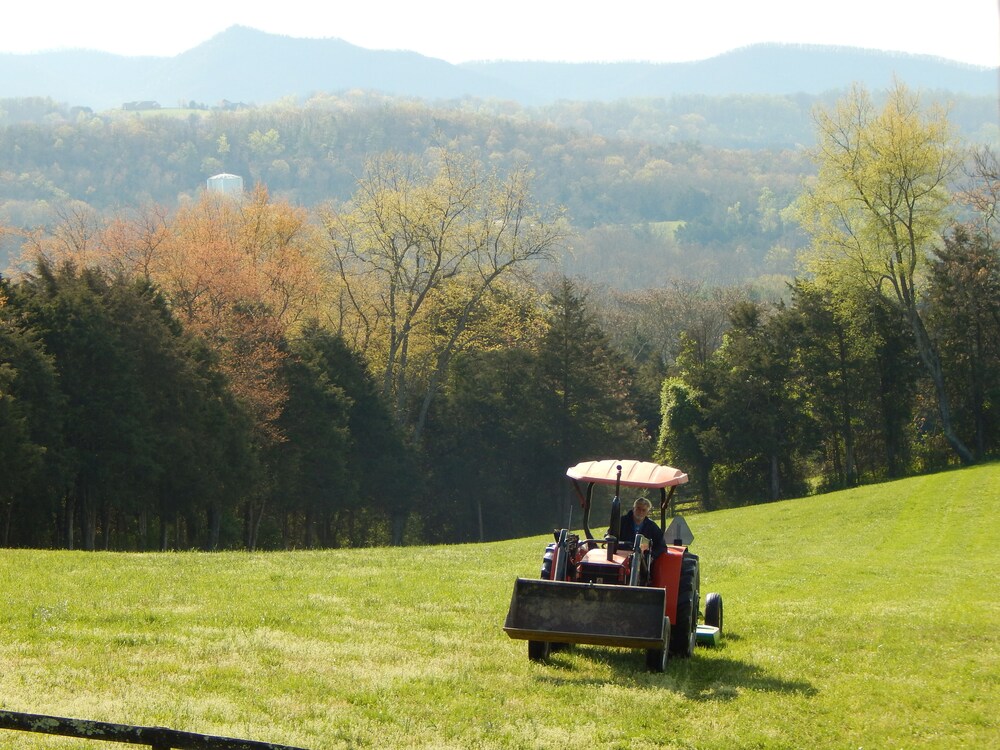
[(157, 738)]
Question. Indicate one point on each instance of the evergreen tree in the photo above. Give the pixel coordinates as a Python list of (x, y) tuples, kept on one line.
[(356, 472), (31, 426), (489, 450), (965, 316), (587, 387)]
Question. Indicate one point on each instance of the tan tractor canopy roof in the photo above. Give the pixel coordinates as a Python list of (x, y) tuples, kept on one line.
[(634, 473)]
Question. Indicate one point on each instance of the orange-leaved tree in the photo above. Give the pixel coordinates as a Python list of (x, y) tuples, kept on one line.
[(243, 273), (240, 271)]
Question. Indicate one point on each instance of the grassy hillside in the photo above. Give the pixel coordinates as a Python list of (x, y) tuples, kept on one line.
[(866, 618)]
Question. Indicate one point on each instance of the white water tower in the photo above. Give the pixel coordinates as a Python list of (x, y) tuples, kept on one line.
[(227, 184)]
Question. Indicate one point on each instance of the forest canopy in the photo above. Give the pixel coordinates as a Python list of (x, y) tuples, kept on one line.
[(691, 187), (415, 319)]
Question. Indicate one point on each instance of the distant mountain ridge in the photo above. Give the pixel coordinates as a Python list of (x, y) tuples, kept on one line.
[(247, 65)]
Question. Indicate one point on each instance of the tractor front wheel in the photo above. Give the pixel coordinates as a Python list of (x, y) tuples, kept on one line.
[(538, 650), (713, 610), (656, 658)]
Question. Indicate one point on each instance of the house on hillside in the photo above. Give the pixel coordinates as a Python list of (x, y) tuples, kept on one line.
[(138, 106)]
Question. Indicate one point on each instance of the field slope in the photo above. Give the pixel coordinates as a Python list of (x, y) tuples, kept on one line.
[(868, 618)]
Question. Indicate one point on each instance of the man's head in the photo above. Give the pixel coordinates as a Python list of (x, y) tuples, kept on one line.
[(641, 507)]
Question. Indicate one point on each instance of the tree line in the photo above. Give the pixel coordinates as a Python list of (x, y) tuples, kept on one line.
[(239, 372), (399, 366)]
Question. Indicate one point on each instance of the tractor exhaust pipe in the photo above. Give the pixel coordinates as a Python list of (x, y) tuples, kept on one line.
[(615, 524)]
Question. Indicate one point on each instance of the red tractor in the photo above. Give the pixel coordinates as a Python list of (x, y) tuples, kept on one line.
[(610, 593)]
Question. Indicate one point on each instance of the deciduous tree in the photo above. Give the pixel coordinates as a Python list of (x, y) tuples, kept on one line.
[(416, 238), (879, 205)]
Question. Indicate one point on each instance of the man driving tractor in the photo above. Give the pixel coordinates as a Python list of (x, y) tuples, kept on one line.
[(601, 592), (637, 521)]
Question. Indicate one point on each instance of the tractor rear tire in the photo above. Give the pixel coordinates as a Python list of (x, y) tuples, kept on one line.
[(538, 650), (684, 633), (713, 610)]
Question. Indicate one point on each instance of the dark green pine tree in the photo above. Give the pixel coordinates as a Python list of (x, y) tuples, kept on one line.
[(150, 432), (358, 473), (965, 318), (489, 449), (829, 357), (32, 454), (587, 387), (757, 410)]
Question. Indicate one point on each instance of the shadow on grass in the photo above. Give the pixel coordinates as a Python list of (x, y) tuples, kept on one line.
[(711, 678), (722, 680)]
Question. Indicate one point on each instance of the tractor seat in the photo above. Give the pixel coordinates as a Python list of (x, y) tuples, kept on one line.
[(600, 557)]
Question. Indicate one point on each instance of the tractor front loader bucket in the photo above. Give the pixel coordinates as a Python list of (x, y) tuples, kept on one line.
[(598, 614)]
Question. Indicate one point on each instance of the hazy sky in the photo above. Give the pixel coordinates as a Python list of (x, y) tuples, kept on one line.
[(569, 30)]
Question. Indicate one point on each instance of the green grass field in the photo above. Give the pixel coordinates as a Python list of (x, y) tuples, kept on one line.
[(862, 619)]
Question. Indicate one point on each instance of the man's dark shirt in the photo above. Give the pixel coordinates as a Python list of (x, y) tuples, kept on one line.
[(648, 529)]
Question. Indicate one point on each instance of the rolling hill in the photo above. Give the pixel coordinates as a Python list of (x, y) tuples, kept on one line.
[(246, 65), (864, 618)]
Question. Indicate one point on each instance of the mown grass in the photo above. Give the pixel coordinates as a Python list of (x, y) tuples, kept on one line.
[(862, 619)]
